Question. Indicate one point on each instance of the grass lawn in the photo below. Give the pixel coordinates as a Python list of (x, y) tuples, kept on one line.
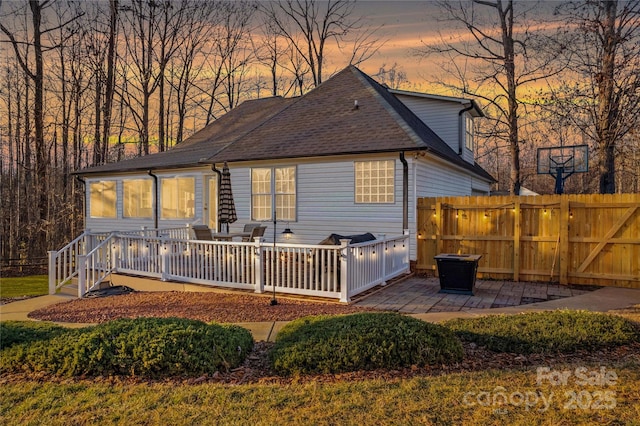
[(35, 285), (469, 398)]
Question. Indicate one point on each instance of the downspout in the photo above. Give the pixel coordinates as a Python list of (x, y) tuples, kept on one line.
[(84, 200), (156, 200), (219, 173), (405, 192), (460, 133)]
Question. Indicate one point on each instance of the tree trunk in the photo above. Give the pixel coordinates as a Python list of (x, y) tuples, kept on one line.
[(606, 106)]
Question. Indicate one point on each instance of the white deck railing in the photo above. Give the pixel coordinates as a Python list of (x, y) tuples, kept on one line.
[(332, 271)]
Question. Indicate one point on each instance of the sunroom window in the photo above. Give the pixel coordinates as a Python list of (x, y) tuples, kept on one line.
[(374, 181), (266, 191), (102, 199), (138, 198), (177, 198)]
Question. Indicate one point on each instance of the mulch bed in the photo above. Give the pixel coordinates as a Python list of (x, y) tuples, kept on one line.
[(203, 306)]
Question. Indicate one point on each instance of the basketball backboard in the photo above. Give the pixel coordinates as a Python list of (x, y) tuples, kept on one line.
[(566, 159), (563, 161)]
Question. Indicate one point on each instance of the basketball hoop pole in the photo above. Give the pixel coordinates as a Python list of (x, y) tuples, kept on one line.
[(561, 177), (559, 180)]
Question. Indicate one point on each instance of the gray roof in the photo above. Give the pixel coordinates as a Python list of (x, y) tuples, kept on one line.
[(322, 122)]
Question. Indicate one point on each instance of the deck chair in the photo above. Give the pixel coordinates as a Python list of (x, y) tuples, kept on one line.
[(249, 227), (258, 231), (202, 232)]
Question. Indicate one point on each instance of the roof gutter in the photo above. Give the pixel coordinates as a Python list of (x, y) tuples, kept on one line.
[(460, 127), (405, 192), (219, 173), (156, 201)]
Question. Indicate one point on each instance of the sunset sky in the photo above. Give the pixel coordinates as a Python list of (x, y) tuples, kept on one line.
[(409, 25)]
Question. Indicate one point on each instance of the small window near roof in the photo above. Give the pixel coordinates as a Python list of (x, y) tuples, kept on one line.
[(374, 181), (102, 199), (468, 132)]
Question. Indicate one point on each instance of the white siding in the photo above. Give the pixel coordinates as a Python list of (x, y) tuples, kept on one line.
[(443, 118), (440, 116), (325, 202), (436, 179), (325, 198)]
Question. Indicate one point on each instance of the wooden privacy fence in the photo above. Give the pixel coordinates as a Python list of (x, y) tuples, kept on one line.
[(571, 239)]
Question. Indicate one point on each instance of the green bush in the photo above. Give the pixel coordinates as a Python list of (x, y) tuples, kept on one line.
[(149, 347), (367, 341), (16, 332), (545, 332)]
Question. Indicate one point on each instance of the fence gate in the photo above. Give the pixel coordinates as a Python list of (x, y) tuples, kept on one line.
[(571, 239)]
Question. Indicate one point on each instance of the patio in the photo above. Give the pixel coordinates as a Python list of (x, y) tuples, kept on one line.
[(418, 295)]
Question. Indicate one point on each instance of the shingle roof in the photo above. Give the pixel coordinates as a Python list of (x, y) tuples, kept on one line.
[(323, 122), (204, 143)]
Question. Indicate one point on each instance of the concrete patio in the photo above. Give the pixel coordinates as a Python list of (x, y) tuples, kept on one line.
[(418, 295)]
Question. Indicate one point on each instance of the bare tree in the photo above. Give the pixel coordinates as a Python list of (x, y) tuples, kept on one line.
[(29, 49), (229, 54), (602, 44), (310, 24), (494, 62), (394, 77)]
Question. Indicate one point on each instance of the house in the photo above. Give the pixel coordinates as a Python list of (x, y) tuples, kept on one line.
[(349, 157)]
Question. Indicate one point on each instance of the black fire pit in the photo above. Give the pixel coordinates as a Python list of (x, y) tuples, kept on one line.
[(457, 272)]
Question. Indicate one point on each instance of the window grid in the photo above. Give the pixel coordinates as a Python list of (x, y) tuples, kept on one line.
[(374, 181), (468, 129), (137, 198), (265, 193), (178, 198), (103, 199)]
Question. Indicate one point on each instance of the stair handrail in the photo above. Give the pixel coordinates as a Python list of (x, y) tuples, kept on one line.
[(62, 263), (95, 266)]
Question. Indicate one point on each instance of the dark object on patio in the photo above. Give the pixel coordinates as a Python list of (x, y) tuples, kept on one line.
[(334, 239), (457, 272), (109, 291), (202, 232), (257, 231), (226, 205)]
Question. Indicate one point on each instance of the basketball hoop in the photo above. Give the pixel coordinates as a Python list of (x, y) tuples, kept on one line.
[(561, 162)]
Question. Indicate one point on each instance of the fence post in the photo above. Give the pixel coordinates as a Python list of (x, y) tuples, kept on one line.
[(258, 264), (439, 227), (383, 258), (516, 239), (565, 210), (52, 272), (344, 265), (406, 243), (164, 258), (82, 274)]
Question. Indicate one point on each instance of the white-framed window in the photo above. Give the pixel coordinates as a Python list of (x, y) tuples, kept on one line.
[(138, 198), (102, 199), (468, 132), (177, 197), (267, 191), (375, 181)]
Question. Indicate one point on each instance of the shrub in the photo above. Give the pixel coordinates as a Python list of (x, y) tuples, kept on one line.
[(15, 332), (150, 347), (545, 332), (366, 341)]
